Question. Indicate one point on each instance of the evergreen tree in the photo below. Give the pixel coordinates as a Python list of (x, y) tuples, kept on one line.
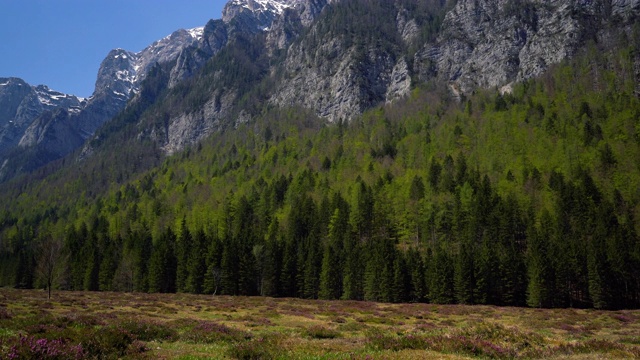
[(197, 263), (109, 264), (416, 271), (229, 265), (213, 276), (272, 265), (541, 277), (464, 280), (91, 280), (184, 250), (143, 248), (401, 280), (163, 264), (441, 274), (331, 275)]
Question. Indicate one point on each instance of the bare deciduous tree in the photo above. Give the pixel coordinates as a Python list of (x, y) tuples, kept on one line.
[(51, 261), (217, 273), (123, 279)]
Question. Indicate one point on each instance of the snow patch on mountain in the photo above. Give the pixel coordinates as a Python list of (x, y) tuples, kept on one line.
[(196, 33), (263, 5), (52, 98)]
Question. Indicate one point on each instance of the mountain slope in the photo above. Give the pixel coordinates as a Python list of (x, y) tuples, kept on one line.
[(494, 43), (21, 103), (535, 193), (359, 54), (244, 177), (52, 136)]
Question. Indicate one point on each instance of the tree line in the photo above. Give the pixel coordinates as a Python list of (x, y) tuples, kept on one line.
[(528, 199), (479, 249)]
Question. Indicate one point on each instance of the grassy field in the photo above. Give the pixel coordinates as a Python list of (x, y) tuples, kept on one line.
[(182, 326)]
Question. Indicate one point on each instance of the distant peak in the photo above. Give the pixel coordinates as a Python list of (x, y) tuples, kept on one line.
[(196, 33), (277, 6), (263, 11)]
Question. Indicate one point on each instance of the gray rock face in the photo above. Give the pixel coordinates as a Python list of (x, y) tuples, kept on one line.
[(338, 78), (188, 129), (166, 50), (308, 63), (338, 89), (283, 21), (490, 43), (407, 26), (290, 24), (625, 9), (52, 124), (254, 15), (21, 104), (400, 82)]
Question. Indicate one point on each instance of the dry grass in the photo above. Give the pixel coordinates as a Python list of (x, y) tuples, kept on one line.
[(184, 326)]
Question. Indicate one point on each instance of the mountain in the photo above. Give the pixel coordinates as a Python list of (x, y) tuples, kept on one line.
[(471, 151), (339, 59), (21, 104), (48, 136), (496, 43), (49, 125)]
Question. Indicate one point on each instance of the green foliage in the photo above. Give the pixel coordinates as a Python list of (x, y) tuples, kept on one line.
[(527, 198)]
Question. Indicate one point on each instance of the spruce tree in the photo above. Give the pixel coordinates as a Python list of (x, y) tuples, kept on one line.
[(464, 279), (183, 253), (540, 272), (197, 263)]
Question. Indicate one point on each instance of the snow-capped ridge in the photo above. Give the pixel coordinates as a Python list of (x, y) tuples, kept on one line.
[(263, 5)]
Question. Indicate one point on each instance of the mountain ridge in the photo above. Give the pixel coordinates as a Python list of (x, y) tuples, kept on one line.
[(377, 56)]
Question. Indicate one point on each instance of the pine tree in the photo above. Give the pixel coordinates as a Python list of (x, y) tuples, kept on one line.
[(272, 265), (213, 276), (441, 273), (541, 277), (289, 270), (163, 264), (197, 265), (109, 264), (331, 275), (401, 279), (143, 249), (74, 244), (91, 280), (464, 279), (184, 250), (353, 274), (416, 270)]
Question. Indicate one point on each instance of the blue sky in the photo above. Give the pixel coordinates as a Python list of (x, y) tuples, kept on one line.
[(60, 43)]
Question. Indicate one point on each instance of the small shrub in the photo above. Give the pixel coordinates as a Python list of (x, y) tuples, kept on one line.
[(106, 342), (321, 332), (623, 318), (254, 321), (384, 341), (206, 332), (261, 348), (470, 346), (5, 314), (148, 331), (30, 347), (589, 346), (81, 320), (353, 326), (339, 320)]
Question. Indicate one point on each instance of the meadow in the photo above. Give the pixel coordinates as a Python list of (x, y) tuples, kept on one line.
[(109, 325)]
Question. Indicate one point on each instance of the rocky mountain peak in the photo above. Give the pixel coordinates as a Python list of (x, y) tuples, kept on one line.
[(167, 49), (255, 14), (117, 73)]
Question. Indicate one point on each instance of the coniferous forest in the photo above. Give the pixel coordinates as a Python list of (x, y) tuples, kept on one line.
[(528, 198)]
